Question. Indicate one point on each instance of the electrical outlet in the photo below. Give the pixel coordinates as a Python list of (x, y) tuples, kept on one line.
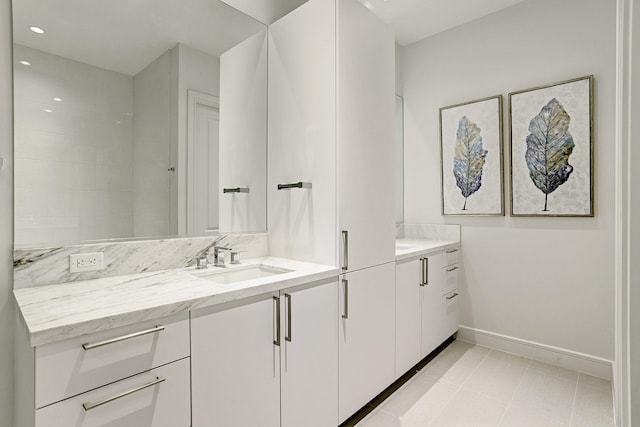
[(86, 262)]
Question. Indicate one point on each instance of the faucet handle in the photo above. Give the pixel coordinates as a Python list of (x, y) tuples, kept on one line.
[(235, 256), (202, 262), (219, 255)]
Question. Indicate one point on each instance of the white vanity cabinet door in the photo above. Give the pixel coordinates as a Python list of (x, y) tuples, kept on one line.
[(433, 310), (65, 368), (408, 314), (165, 404), (236, 364), (309, 357), (367, 336)]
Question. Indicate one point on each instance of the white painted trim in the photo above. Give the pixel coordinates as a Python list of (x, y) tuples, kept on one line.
[(564, 358), (621, 368), (194, 98)]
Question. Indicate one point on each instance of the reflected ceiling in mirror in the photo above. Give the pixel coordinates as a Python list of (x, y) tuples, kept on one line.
[(128, 115)]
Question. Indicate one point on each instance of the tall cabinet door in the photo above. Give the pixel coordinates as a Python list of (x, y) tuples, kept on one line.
[(237, 364), (367, 336), (409, 278), (310, 356), (366, 111)]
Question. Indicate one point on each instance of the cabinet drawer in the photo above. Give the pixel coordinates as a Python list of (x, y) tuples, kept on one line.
[(451, 255), (65, 368), (451, 278), (156, 398), (451, 322)]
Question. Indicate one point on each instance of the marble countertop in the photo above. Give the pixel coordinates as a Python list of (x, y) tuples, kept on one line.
[(57, 312), (410, 248)]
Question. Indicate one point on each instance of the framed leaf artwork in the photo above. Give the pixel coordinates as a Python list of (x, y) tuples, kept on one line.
[(551, 146), (471, 157)]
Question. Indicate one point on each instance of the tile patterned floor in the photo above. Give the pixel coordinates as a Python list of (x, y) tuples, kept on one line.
[(473, 386)]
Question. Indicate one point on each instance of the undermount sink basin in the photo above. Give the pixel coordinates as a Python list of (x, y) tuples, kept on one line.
[(403, 246), (238, 274)]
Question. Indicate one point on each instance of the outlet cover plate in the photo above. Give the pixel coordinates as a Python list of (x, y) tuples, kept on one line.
[(93, 261)]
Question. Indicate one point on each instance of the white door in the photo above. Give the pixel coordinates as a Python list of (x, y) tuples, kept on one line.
[(235, 364), (367, 336), (408, 314), (310, 356), (203, 164)]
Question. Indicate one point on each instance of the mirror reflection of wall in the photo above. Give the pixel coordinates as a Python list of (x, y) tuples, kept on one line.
[(102, 119), (399, 159)]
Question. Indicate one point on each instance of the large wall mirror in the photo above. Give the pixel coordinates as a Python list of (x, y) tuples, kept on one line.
[(137, 119)]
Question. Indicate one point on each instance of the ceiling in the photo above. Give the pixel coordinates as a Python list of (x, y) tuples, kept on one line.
[(126, 35), (86, 30), (414, 20)]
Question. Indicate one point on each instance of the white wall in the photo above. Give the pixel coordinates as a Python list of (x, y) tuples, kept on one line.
[(73, 162), (243, 135), (6, 221), (152, 109), (546, 280)]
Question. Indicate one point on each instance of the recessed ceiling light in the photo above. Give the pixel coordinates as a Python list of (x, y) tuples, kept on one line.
[(57, 99), (25, 62), (36, 29), (48, 110)]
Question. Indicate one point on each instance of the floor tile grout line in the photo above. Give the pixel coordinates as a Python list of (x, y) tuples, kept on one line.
[(515, 391), (573, 404), (461, 384), (444, 406)]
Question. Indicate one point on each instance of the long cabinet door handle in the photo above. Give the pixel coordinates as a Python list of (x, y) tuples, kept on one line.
[(345, 252), (287, 337), (421, 271), (452, 269), (345, 283), (92, 405), (425, 271), (276, 339), (122, 338), (452, 296)]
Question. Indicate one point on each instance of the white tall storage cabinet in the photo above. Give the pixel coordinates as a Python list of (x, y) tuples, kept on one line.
[(331, 123)]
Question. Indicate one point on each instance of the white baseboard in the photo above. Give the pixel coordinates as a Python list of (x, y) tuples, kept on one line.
[(564, 358)]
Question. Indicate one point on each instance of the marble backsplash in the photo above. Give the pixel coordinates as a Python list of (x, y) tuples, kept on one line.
[(428, 231), (47, 266)]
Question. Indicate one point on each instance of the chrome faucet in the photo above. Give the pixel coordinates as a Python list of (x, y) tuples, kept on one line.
[(219, 255), (202, 262)]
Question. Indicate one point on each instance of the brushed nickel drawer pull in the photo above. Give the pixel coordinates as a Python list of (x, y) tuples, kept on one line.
[(276, 339), (122, 338), (452, 251), (452, 296), (451, 269), (287, 337), (345, 252), (89, 406), (345, 282)]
